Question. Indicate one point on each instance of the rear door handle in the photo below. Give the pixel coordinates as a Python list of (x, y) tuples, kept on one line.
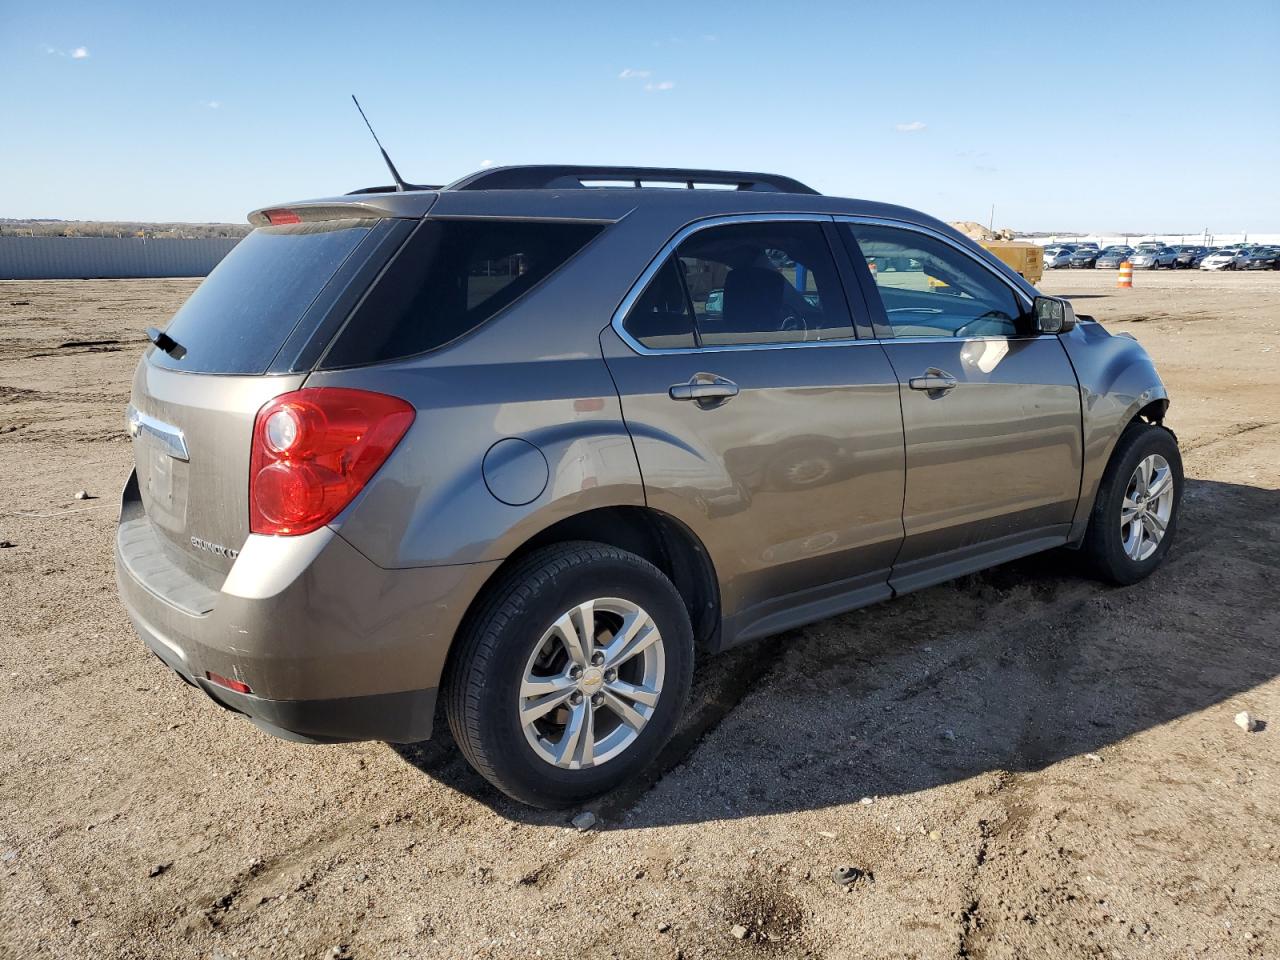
[(933, 380), (717, 388)]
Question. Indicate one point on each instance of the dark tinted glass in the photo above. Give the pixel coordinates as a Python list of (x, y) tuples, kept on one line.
[(450, 277), (761, 283), (246, 308), (661, 318), (931, 289)]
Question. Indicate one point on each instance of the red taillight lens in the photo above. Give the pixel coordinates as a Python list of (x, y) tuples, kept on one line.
[(278, 217), (314, 450)]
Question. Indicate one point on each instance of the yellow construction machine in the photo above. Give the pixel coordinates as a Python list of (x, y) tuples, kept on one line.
[(1026, 258)]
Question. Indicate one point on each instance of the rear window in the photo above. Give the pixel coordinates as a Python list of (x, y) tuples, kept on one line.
[(450, 277), (241, 315)]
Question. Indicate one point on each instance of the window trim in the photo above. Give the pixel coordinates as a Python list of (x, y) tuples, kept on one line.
[(884, 330), (688, 230)]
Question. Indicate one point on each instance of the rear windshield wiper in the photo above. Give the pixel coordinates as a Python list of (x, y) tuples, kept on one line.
[(166, 343)]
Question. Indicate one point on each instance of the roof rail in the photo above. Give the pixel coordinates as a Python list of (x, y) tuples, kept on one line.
[(556, 177)]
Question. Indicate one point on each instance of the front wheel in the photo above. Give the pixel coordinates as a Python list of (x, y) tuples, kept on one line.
[(571, 675), (1135, 513)]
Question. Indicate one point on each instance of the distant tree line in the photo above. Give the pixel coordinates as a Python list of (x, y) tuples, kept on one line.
[(119, 228)]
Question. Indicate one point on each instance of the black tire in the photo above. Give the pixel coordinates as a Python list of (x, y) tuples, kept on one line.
[(483, 680), (1102, 551)]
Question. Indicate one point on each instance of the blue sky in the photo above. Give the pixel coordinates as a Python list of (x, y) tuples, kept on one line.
[(1071, 115)]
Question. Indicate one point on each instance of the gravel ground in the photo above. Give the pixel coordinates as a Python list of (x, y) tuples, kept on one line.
[(1022, 763)]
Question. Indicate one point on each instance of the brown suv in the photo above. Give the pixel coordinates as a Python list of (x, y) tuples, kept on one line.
[(532, 444)]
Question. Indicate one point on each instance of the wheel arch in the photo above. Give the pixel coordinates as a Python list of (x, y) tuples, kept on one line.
[(651, 534), (1145, 409), (1119, 385)]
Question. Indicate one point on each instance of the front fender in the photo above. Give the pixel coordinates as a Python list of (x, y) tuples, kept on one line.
[(1117, 381)]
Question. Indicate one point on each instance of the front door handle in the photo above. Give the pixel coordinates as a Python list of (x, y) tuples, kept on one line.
[(704, 390), (934, 380)]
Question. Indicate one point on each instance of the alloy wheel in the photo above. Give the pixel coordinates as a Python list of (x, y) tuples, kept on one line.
[(592, 683), (1147, 507)]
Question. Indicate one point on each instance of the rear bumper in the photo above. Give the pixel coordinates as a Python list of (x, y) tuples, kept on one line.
[(332, 646), (404, 717)]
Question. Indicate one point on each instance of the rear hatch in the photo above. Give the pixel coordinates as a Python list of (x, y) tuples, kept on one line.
[(250, 332)]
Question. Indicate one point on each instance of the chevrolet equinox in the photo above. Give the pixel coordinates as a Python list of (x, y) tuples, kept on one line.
[(530, 442)]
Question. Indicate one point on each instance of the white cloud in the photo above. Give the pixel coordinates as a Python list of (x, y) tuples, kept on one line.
[(915, 126), (629, 74), (212, 104), (485, 164), (661, 85), (79, 53)]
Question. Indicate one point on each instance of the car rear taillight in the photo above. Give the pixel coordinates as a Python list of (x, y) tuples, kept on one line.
[(314, 450)]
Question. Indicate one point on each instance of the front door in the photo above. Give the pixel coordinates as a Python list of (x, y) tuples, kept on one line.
[(761, 422), (990, 409)]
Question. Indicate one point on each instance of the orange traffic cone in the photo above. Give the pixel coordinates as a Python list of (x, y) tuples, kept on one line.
[(1125, 279)]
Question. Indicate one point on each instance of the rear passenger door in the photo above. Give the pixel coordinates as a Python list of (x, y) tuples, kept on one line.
[(760, 420), (990, 408)]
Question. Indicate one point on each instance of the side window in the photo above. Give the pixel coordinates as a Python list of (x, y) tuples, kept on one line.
[(931, 289), (763, 283), (662, 319), (449, 278)]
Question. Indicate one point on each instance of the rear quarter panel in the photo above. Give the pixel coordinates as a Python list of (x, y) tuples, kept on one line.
[(436, 500)]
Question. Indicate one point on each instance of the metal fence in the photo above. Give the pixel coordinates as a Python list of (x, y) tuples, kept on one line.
[(86, 258)]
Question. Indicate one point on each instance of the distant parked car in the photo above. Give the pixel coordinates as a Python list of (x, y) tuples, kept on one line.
[(1055, 258), (1226, 259), (1262, 258), (1190, 256), (1153, 258), (1084, 257), (1112, 257)]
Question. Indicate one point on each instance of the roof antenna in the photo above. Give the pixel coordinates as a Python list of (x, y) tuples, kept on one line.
[(401, 186)]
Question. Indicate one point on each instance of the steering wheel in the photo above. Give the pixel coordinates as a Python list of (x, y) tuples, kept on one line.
[(792, 322)]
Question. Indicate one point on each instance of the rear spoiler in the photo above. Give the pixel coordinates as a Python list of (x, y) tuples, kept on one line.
[(410, 205)]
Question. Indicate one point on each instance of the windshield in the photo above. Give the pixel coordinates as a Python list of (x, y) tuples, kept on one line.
[(242, 314)]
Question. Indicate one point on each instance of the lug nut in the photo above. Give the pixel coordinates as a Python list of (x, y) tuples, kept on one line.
[(597, 700), (610, 676), (597, 658), (576, 697), (575, 672)]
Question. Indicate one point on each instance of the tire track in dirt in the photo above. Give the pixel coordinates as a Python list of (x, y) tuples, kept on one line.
[(1015, 792)]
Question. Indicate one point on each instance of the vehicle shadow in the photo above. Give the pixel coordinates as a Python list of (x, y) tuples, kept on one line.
[(1013, 669)]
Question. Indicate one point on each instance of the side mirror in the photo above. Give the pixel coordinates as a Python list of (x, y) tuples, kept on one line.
[(1053, 315)]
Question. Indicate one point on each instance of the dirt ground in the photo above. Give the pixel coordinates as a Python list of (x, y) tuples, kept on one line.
[(1024, 763)]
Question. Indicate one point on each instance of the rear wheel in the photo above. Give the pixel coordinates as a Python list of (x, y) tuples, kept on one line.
[(1135, 513), (571, 675)]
